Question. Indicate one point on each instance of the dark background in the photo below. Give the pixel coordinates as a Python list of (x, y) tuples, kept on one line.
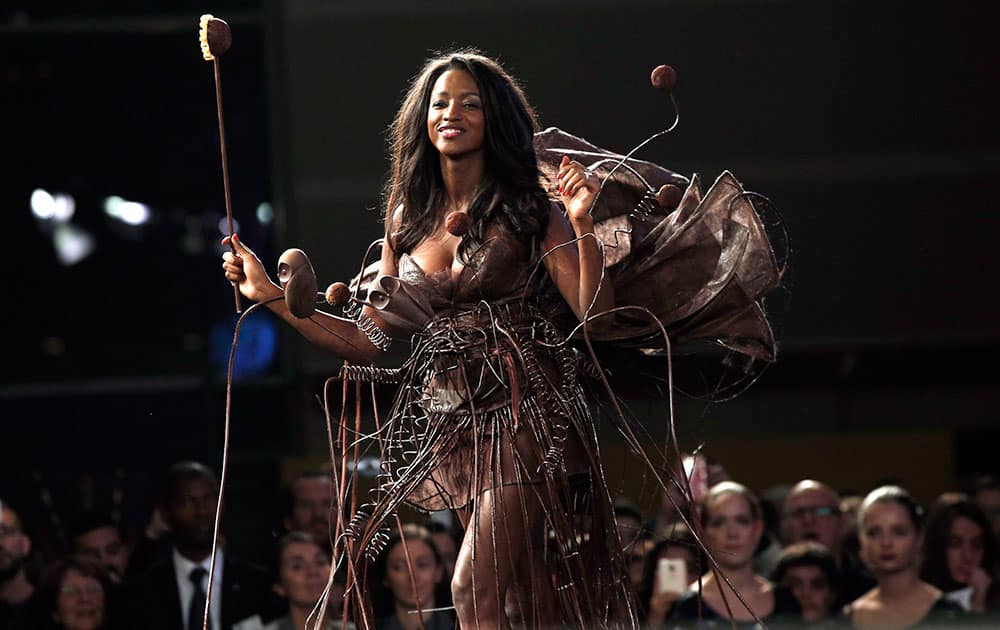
[(871, 126)]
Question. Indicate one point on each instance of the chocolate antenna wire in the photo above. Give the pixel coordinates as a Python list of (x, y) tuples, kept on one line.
[(210, 51)]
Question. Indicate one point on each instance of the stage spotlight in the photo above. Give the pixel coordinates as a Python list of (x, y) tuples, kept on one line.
[(43, 204), (72, 244), (265, 213), (65, 207), (128, 212), (224, 226)]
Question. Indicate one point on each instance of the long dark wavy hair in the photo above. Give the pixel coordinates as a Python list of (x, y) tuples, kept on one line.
[(510, 194), (935, 559)]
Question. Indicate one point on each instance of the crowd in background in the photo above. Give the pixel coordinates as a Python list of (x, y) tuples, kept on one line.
[(715, 554)]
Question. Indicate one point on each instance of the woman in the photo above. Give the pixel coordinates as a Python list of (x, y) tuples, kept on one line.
[(809, 572), (490, 418), (405, 600), (889, 527), (73, 596), (654, 600), (732, 525), (463, 144), (959, 553), (302, 572)]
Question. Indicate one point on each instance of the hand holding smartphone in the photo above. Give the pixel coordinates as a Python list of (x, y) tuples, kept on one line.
[(671, 576)]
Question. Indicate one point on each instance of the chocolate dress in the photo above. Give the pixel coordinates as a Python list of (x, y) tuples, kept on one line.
[(493, 394)]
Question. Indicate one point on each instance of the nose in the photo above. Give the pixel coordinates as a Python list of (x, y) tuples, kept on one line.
[(453, 111)]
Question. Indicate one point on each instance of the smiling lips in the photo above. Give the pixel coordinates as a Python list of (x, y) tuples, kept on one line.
[(449, 131)]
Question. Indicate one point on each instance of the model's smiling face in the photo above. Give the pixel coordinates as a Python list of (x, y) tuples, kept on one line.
[(455, 119)]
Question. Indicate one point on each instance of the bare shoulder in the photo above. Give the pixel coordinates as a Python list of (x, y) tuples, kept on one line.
[(868, 602)]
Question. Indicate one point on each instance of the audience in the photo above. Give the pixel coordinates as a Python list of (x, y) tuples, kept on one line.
[(301, 576), (960, 553), (811, 513), (402, 600), (655, 592), (171, 594), (889, 526), (73, 596), (914, 576), (808, 570), (732, 524), (312, 501), (16, 591), (97, 540), (985, 491)]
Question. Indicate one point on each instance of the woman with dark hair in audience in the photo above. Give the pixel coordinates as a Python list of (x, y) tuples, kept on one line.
[(408, 585), (960, 553), (808, 570), (654, 595), (72, 597), (302, 570), (889, 527), (732, 524)]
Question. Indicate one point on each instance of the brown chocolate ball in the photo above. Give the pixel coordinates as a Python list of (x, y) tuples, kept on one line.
[(457, 223), (663, 77), (337, 294)]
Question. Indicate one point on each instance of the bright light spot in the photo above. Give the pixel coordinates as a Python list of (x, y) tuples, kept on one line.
[(65, 207), (72, 244), (224, 226), (265, 213), (43, 205), (130, 212)]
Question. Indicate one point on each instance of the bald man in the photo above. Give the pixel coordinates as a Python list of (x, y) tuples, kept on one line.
[(811, 513)]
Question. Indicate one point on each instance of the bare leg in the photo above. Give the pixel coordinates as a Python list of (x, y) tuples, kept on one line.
[(500, 566)]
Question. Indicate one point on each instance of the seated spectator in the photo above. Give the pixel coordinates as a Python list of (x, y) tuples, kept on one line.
[(628, 520), (732, 525), (656, 594), (16, 591), (97, 540), (312, 500), (811, 513), (959, 553), (985, 491), (73, 596), (301, 576), (171, 594), (401, 600), (807, 570), (889, 527)]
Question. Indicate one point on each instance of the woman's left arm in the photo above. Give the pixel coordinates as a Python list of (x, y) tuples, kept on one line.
[(577, 271)]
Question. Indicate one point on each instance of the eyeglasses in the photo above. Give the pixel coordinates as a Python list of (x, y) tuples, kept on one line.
[(818, 511)]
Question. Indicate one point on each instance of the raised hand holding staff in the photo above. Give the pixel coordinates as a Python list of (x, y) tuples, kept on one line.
[(215, 39)]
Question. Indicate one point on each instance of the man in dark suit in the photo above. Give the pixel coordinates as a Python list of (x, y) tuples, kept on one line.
[(171, 594)]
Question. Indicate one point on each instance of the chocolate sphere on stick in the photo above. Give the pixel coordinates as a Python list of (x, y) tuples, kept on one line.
[(663, 78)]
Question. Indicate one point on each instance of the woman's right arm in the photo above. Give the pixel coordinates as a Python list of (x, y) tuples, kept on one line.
[(336, 334)]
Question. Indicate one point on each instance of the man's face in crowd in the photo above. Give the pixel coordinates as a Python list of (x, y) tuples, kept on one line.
[(190, 512), (311, 499), (812, 513), (14, 544), (104, 546)]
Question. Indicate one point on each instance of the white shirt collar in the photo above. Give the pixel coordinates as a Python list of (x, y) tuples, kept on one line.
[(182, 573)]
